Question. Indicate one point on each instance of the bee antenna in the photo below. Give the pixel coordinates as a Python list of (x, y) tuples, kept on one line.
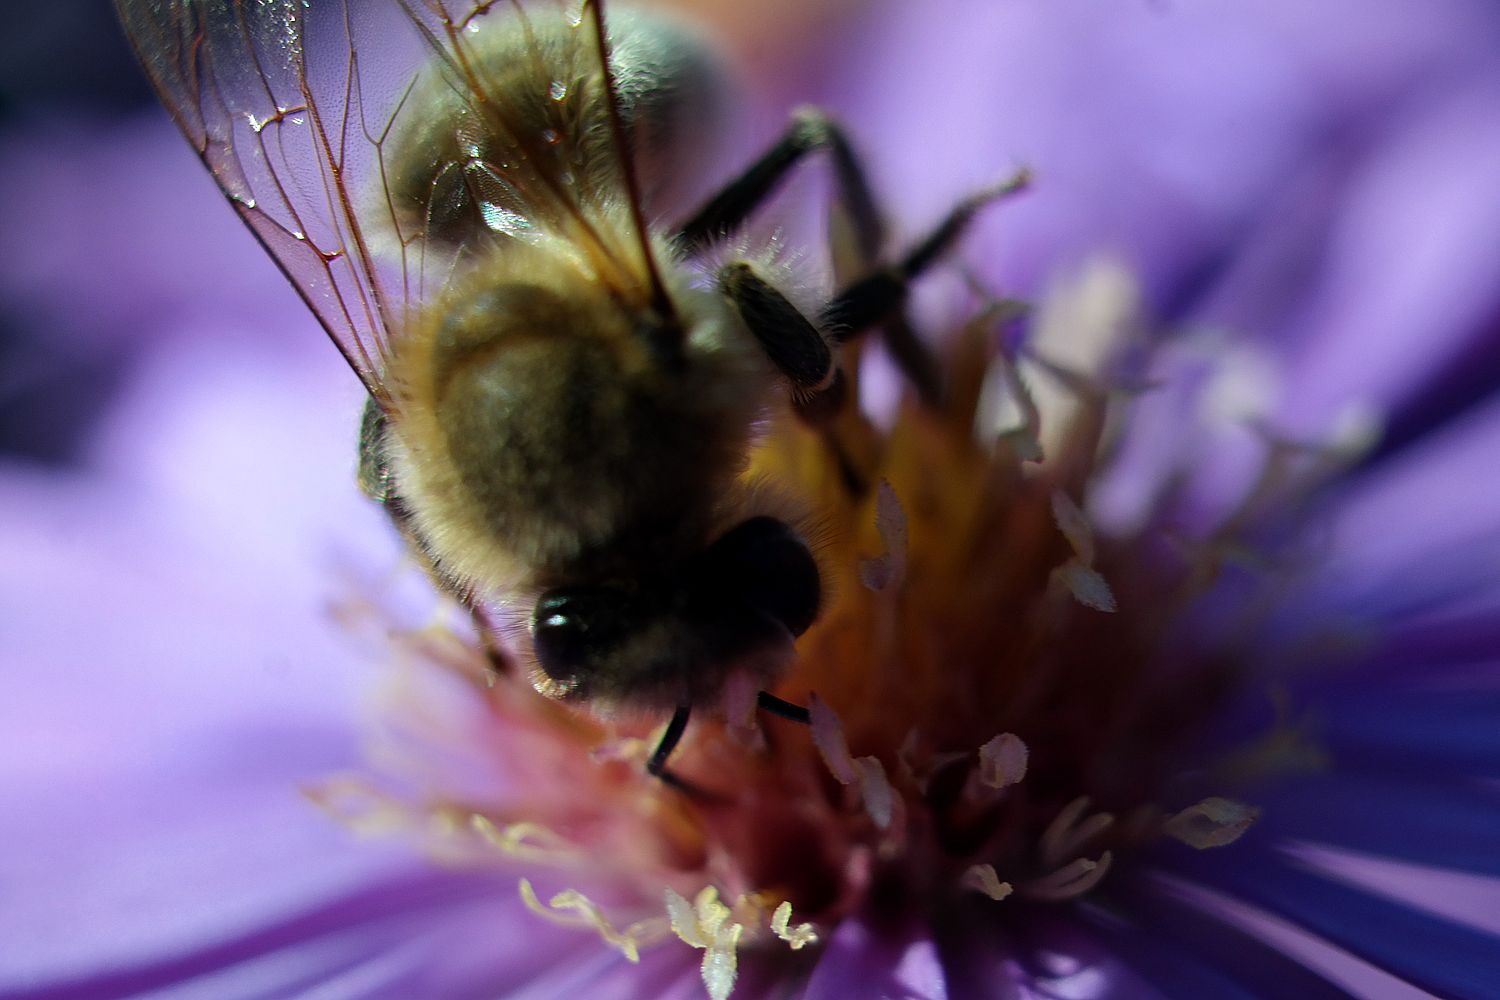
[(660, 301)]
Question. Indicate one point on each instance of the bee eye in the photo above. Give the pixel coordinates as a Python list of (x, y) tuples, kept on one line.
[(574, 627), (764, 565)]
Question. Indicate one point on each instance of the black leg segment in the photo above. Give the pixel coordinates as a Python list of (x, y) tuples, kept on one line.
[(790, 340), (881, 295), (657, 765), (768, 702), (810, 130)]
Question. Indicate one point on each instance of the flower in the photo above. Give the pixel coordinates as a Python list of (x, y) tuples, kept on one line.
[(1156, 661)]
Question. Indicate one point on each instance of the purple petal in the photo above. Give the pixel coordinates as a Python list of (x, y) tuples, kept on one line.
[(1188, 951), (113, 225), (1354, 975), (1417, 531), (1410, 263), (169, 682), (1473, 900), (1044, 954), (1427, 952), (864, 960)]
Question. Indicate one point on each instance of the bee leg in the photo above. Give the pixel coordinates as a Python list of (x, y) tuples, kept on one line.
[(810, 130), (795, 346), (657, 765), (874, 299), (768, 702)]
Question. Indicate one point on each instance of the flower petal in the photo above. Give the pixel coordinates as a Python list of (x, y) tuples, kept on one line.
[(1414, 532), (862, 960), (1187, 951), (1425, 951)]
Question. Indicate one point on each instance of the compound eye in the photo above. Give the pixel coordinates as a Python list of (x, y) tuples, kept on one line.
[(573, 628), (767, 567)]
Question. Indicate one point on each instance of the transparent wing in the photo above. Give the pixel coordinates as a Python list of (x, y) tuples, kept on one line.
[(307, 113)]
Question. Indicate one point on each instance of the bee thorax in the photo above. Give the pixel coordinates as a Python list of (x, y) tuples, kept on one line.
[(545, 437)]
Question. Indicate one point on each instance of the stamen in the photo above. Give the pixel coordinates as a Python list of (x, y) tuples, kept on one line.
[(796, 937), (876, 791), (354, 802), (571, 908), (1085, 584), (879, 798), (625, 749), (828, 737), (982, 878), (705, 924), (888, 569), (1071, 880), (524, 841), (1065, 835), (1078, 575), (739, 705), (1214, 822), (1074, 525), (1002, 761), (1006, 411)]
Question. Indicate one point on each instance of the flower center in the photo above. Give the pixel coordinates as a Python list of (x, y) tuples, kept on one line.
[(1005, 700)]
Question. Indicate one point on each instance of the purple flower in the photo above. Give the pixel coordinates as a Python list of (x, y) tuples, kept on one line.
[(1159, 660)]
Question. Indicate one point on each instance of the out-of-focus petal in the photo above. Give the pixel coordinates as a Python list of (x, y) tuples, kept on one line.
[(156, 734), (1409, 285), (866, 960), (1416, 532), (1160, 132), (1046, 956), (1320, 956), (1403, 730), (1459, 896), (1424, 951), (112, 224), (1187, 951), (1449, 820)]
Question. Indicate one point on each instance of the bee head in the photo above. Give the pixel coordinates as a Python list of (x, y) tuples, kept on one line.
[(578, 632), (676, 641)]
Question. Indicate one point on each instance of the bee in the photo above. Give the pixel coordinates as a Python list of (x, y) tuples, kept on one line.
[(563, 392)]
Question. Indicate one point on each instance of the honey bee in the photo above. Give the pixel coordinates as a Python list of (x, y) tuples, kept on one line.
[(563, 392)]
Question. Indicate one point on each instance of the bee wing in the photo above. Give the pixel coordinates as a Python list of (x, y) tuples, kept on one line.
[(293, 104)]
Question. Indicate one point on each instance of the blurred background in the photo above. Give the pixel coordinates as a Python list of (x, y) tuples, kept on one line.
[(65, 74)]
